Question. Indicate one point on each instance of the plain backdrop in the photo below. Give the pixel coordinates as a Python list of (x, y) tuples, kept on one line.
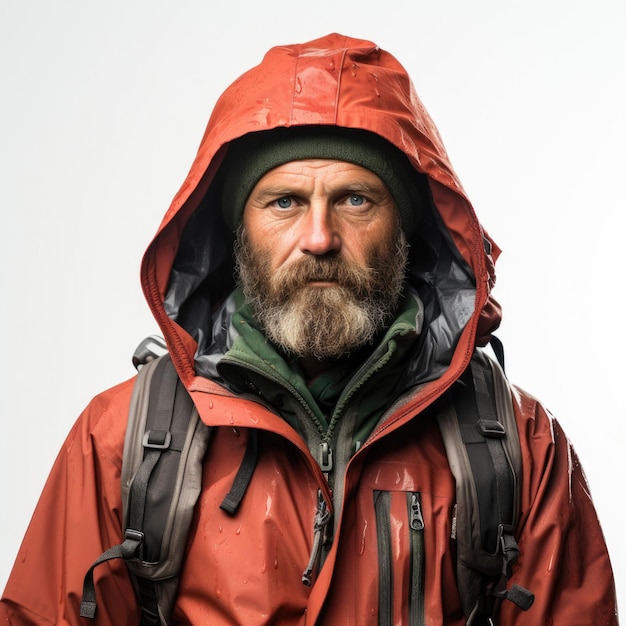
[(102, 106)]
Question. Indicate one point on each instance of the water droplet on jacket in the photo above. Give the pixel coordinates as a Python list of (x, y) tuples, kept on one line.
[(331, 65), (238, 530), (275, 562), (362, 546), (210, 403), (377, 93), (298, 86)]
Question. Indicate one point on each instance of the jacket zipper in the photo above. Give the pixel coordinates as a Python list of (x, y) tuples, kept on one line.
[(382, 507), (324, 459), (373, 364), (324, 456), (416, 525), (325, 451)]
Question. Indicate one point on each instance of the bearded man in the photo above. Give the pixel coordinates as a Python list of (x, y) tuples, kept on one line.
[(321, 354), (323, 264)]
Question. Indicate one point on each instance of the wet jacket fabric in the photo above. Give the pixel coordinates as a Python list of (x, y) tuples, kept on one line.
[(247, 568)]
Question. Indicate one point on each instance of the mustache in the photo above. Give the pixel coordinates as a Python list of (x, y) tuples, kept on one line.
[(333, 269)]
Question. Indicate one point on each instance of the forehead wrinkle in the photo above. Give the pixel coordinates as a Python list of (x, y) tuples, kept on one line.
[(353, 178)]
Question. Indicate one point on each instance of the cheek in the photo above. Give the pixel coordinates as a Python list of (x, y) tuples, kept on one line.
[(272, 246), (263, 228), (361, 244)]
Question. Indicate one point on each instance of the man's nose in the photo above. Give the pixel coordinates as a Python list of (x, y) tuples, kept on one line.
[(319, 232)]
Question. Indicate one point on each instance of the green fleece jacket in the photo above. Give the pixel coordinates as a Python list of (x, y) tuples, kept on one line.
[(254, 364)]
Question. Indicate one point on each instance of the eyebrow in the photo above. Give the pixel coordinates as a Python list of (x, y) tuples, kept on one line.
[(352, 187), (275, 192)]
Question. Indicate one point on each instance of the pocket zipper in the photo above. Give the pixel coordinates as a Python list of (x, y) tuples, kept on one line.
[(417, 563)]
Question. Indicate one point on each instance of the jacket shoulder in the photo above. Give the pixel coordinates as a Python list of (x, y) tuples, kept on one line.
[(102, 424)]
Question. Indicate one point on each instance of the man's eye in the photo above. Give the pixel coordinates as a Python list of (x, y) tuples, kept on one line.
[(284, 203), (356, 200)]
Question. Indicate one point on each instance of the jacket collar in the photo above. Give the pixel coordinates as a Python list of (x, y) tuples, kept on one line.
[(252, 363)]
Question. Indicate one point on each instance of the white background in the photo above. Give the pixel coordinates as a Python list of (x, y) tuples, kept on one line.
[(102, 106)]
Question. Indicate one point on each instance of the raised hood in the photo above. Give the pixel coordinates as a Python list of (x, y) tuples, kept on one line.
[(335, 80)]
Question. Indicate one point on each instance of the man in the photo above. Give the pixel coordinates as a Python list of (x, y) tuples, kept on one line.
[(362, 290)]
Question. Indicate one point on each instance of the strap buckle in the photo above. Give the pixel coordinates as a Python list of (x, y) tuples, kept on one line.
[(157, 439)]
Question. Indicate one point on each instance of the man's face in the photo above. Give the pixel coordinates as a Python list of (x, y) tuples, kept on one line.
[(321, 256)]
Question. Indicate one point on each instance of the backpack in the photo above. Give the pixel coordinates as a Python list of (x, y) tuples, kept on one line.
[(164, 451)]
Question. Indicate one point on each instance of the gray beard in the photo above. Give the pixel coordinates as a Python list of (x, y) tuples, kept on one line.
[(323, 322)]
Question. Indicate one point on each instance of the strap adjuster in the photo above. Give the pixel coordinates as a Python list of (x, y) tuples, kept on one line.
[(491, 429), (157, 439)]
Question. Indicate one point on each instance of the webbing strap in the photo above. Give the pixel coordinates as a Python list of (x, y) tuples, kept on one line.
[(493, 432), (482, 436), (149, 602), (498, 350), (125, 550), (139, 488), (233, 498), (481, 442), (165, 380), (161, 419), (501, 504)]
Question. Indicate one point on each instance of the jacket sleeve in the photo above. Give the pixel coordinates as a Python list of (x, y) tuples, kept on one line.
[(77, 518), (563, 557)]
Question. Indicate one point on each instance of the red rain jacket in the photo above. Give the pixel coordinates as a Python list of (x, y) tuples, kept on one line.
[(247, 569)]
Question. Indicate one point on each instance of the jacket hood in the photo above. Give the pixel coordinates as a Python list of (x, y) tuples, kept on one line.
[(187, 271)]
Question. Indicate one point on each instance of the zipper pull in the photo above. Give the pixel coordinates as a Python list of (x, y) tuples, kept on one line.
[(416, 518), (326, 457), (321, 519), (418, 564)]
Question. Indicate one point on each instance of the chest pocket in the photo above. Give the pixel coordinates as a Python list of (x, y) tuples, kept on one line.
[(400, 532)]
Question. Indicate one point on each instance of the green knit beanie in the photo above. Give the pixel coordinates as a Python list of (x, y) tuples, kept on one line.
[(250, 157)]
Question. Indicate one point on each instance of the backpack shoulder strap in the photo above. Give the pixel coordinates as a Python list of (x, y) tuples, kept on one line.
[(161, 479), (482, 444)]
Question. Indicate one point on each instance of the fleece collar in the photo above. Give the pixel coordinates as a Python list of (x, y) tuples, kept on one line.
[(253, 363)]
